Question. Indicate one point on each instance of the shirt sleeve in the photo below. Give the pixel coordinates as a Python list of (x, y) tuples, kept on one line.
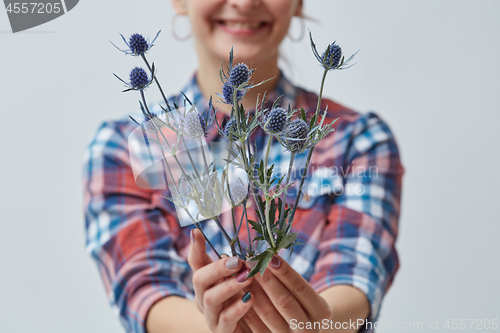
[(358, 244), (129, 232)]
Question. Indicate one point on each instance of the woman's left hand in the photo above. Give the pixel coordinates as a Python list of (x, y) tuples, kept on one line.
[(291, 296)]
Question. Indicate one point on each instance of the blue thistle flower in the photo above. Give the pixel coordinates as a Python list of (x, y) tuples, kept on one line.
[(233, 78), (148, 123), (227, 93), (139, 78), (230, 129), (194, 124), (296, 135), (332, 59), (276, 120), (203, 123), (239, 74), (137, 44)]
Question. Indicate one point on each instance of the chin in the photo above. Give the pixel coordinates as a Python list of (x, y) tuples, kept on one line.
[(250, 54)]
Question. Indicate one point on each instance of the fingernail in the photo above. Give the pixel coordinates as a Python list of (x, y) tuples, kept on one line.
[(232, 263), (242, 277), (192, 236), (246, 297), (275, 262)]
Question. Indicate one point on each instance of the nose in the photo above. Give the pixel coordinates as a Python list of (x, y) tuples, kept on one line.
[(244, 5)]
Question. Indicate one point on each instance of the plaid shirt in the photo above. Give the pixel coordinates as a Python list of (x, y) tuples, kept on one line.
[(348, 215)]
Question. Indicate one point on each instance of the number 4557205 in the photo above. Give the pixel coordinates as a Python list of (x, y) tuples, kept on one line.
[(478, 324), (34, 8)]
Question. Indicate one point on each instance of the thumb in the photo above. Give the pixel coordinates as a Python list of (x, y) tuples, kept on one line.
[(198, 257)]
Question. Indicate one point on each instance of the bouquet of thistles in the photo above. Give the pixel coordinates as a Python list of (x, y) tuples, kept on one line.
[(203, 183)]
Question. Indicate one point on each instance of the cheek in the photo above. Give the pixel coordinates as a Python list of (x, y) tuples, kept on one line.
[(282, 11)]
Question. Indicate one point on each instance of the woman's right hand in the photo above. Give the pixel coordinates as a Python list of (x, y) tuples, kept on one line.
[(217, 291)]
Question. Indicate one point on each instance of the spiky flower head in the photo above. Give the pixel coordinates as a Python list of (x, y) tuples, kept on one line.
[(148, 123), (275, 121), (227, 93), (296, 135), (194, 124), (239, 192), (230, 129), (139, 78), (203, 123), (138, 44), (239, 74), (332, 59)]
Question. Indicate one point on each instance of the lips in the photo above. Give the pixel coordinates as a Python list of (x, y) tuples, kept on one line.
[(242, 27)]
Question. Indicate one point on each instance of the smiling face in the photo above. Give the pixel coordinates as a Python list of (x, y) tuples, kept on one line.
[(255, 28)]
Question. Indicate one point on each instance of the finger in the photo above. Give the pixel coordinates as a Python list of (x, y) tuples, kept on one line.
[(230, 316), (300, 289), (205, 277), (266, 311), (254, 323), (282, 299), (215, 297), (198, 256)]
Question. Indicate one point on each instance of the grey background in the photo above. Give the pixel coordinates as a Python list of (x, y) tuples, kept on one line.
[(429, 68)]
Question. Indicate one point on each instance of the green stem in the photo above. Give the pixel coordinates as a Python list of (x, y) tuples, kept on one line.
[(309, 155), (268, 219), (268, 225), (155, 78), (283, 203), (224, 233)]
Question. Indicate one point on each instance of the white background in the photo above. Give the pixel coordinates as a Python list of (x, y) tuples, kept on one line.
[(429, 68)]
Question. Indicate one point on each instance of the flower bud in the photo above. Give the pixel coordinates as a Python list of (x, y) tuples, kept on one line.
[(276, 120), (297, 130), (138, 44), (138, 78), (332, 59), (239, 74)]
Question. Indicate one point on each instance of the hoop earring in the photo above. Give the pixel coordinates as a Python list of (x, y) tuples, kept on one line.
[(173, 23), (302, 31)]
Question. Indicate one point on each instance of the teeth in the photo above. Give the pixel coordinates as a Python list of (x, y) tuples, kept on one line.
[(241, 25)]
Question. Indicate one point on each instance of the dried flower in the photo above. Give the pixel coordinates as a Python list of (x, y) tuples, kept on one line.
[(230, 129), (332, 56), (194, 124), (137, 44), (276, 121), (227, 93), (148, 123), (296, 135), (239, 192), (239, 74), (138, 78)]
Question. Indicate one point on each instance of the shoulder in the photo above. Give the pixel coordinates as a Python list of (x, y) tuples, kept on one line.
[(112, 135), (354, 131), (349, 121)]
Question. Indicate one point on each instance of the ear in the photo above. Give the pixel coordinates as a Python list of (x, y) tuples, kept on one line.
[(298, 11), (180, 6)]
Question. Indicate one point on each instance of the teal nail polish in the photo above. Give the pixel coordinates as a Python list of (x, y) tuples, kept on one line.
[(246, 297)]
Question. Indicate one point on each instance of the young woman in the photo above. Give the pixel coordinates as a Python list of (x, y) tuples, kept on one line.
[(161, 278)]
